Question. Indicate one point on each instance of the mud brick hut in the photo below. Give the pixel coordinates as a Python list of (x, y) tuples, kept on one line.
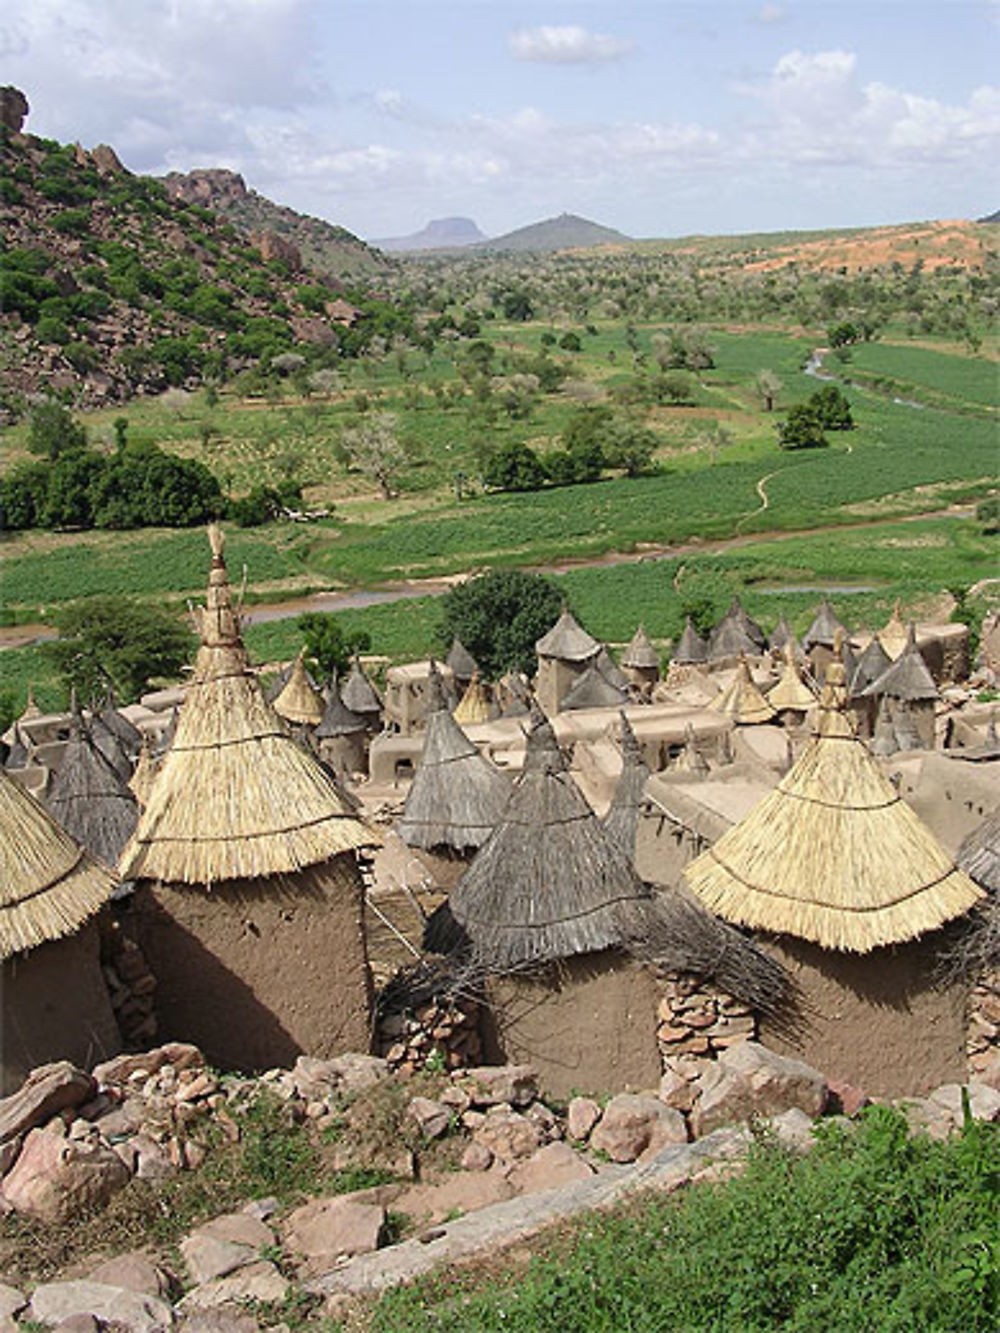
[(641, 661), (853, 889), (563, 656), (791, 698), (54, 1004), (462, 664), (908, 683), (249, 897), (341, 735)]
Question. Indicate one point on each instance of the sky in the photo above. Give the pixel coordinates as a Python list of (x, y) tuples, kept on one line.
[(660, 118)]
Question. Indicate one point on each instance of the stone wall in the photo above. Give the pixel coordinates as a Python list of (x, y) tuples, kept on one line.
[(982, 1042)]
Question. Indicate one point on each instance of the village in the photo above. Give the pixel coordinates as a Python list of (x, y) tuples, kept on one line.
[(594, 925)]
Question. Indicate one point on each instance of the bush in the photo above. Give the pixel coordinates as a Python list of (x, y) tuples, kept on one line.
[(832, 408), (514, 467), (53, 431), (499, 616), (801, 429), (988, 516), (114, 641)]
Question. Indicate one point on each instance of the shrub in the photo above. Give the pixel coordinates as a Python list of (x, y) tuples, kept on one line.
[(114, 641), (500, 616), (801, 429), (514, 467)]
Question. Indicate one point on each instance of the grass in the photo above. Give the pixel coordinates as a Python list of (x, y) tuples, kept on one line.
[(871, 1231), (924, 372)]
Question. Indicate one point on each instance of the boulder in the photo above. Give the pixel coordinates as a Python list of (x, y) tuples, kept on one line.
[(118, 1071), (325, 1230), (314, 1079), (135, 1272), (490, 1085), (78, 1323), (749, 1080), (13, 108), (984, 1101), (632, 1123), (222, 1320), (47, 1090), (676, 1091), (432, 1118), (555, 1164), (794, 1130), (508, 1134), (54, 1302), (12, 1301), (582, 1115), (56, 1179), (477, 1157), (462, 1192), (257, 1282)]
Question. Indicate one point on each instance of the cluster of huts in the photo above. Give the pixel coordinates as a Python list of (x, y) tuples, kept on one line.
[(746, 822)]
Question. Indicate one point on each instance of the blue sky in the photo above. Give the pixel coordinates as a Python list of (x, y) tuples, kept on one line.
[(660, 118)]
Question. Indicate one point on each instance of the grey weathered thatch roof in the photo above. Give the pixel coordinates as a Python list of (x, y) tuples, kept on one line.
[(746, 623), (691, 759), (18, 756), (111, 746), (610, 669), (691, 647), (568, 641), (117, 723), (90, 800), (462, 663), (592, 689), (779, 636), (979, 854), (908, 677), (872, 663), (457, 795), (730, 639), (640, 654), (622, 817), (337, 719), (358, 693), (824, 627), (548, 883), (49, 885)]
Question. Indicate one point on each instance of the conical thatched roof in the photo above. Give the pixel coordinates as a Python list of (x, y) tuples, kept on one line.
[(746, 623), (779, 636), (128, 736), (742, 700), (236, 797), (623, 815), (791, 691), (463, 664), (281, 680), (18, 756), (457, 795), (337, 719), (591, 689), (515, 690), (141, 781), (475, 706), (691, 759), (730, 639), (358, 693), (49, 885), (871, 664), (90, 800), (610, 669), (640, 655), (299, 702), (979, 854), (833, 854), (893, 634), (908, 677), (824, 628), (111, 746), (31, 709), (691, 647), (568, 641), (166, 738), (548, 883)]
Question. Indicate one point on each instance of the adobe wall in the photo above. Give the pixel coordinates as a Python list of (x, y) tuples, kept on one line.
[(54, 1005), (588, 1025), (873, 1020), (258, 972)]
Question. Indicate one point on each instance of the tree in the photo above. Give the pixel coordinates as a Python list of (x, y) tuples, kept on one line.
[(375, 450), (842, 335), (517, 306), (801, 429), (832, 408), (116, 642), (630, 446), (52, 431), (768, 386), (499, 616), (514, 467), (328, 645)]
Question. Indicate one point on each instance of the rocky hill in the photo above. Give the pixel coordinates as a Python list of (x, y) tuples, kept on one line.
[(439, 234), (566, 232), (110, 287), (322, 247)]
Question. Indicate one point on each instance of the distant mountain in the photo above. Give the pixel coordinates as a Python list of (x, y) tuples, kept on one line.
[(566, 232), (992, 217), (321, 246), (441, 234)]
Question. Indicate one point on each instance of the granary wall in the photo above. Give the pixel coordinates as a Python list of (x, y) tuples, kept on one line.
[(258, 972), (54, 1006), (982, 1043), (345, 754)]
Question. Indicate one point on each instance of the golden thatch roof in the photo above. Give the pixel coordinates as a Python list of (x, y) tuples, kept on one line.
[(49, 885), (640, 654), (475, 705), (742, 700), (893, 634), (791, 691), (298, 702), (833, 854), (236, 796), (141, 781), (568, 641)]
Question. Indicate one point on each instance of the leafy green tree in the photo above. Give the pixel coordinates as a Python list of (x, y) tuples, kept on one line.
[(499, 616), (801, 429), (843, 334), (53, 431), (117, 642), (517, 306), (329, 646), (22, 496), (831, 406), (514, 467), (630, 445)]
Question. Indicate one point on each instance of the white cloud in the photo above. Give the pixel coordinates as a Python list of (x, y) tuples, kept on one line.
[(570, 45)]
